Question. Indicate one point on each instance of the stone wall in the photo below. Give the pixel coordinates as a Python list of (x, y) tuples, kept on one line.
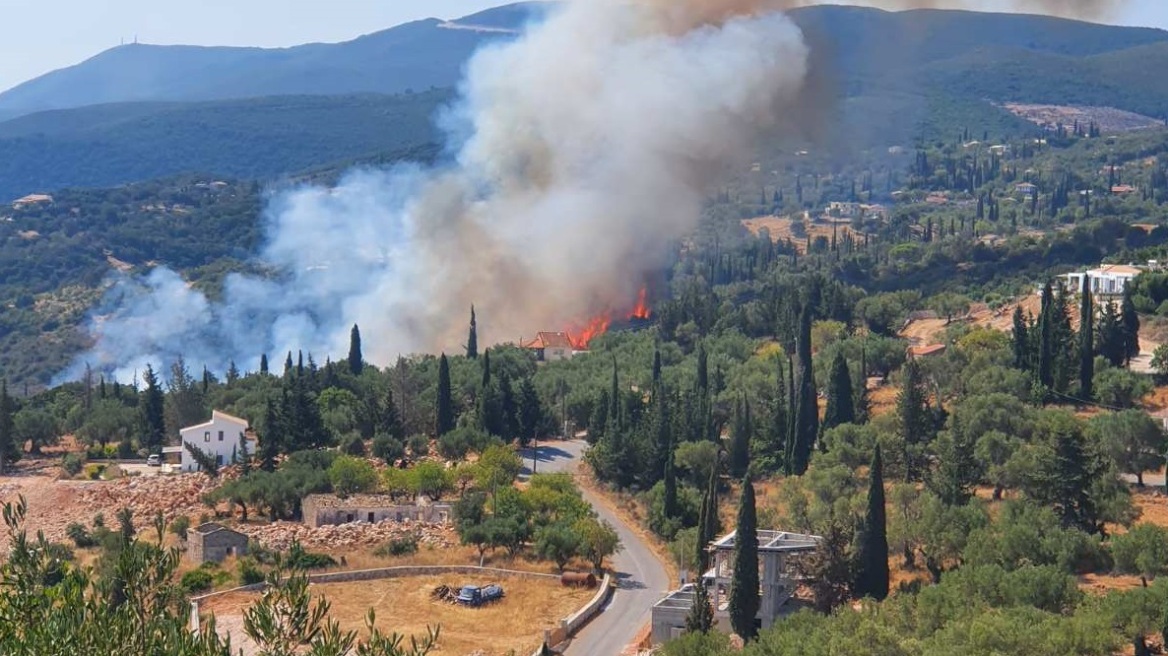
[(576, 621)]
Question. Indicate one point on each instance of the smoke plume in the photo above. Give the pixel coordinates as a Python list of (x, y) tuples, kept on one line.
[(578, 150)]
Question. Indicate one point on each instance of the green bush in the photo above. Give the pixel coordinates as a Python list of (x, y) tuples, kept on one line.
[(1142, 550), (354, 446), (72, 464), (80, 537), (249, 571), (419, 446), (196, 581), (93, 471), (398, 547), (387, 448), (298, 558)]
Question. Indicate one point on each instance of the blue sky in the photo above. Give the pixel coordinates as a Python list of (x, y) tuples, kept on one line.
[(42, 35)]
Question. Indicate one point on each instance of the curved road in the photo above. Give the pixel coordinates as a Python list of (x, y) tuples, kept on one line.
[(641, 579)]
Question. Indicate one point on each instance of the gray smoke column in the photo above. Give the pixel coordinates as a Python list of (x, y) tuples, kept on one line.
[(586, 147)]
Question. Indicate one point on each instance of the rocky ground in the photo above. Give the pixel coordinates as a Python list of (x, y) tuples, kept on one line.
[(280, 535)]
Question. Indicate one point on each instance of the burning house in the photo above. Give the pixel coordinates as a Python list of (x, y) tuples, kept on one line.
[(550, 347)]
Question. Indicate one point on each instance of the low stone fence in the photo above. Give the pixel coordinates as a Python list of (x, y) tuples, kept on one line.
[(576, 621), (374, 574)]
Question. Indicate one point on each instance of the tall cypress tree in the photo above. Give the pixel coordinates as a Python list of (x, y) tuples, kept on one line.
[(701, 543), (916, 424), (153, 410), (1021, 340), (270, 439), (744, 582), (444, 422), (486, 380), (703, 379), (356, 361), (1112, 340), (872, 580), (656, 369), (1046, 337), (1086, 342), (264, 364), (388, 418), (701, 613), (840, 399), (740, 434), (1130, 320), (472, 338), (7, 433), (862, 404), (807, 411)]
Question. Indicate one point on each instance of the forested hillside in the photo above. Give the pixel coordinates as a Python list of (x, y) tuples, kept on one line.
[(259, 139)]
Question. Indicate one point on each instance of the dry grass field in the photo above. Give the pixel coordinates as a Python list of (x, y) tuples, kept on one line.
[(404, 605)]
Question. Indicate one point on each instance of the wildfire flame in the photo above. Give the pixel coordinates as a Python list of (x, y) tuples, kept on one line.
[(582, 336)]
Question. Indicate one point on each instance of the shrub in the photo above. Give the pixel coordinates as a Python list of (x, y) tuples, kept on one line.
[(387, 449), (298, 558), (249, 571), (80, 537), (93, 471), (72, 464), (180, 526), (419, 446), (398, 547), (354, 446), (1142, 550), (196, 581)]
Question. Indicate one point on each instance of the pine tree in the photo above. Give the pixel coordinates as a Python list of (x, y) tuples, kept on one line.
[(701, 614), (1086, 342), (1130, 321), (872, 580), (840, 399), (232, 373), (389, 420), (1111, 338), (472, 338), (356, 361), (7, 433), (744, 582), (153, 410), (264, 364), (740, 430), (444, 422), (288, 364)]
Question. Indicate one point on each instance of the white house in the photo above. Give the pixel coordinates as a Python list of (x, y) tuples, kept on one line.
[(1107, 280), (219, 438), (550, 347)]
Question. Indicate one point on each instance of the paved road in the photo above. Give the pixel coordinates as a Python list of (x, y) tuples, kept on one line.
[(641, 579)]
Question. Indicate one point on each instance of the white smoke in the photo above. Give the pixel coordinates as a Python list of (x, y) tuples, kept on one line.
[(589, 138)]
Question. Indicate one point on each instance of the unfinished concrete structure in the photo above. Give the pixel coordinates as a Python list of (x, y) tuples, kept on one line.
[(326, 509), (778, 553), (213, 542)]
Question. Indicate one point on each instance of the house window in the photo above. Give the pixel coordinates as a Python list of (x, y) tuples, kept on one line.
[(220, 436), (370, 518), (219, 460), (207, 436)]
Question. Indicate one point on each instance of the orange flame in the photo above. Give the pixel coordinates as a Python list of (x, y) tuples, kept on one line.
[(642, 309), (598, 325)]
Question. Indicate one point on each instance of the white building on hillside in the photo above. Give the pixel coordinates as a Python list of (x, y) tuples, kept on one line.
[(1107, 280), (219, 438)]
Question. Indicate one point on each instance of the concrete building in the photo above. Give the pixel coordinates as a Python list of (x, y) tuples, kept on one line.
[(550, 347), (219, 438), (325, 509), (1107, 280), (778, 553), (213, 542)]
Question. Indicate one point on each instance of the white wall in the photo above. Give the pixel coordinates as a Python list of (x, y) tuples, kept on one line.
[(218, 437)]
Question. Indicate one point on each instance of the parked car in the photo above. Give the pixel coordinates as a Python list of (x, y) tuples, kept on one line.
[(154, 460), (473, 595)]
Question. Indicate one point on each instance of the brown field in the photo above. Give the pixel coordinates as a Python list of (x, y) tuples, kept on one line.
[(779, 228), (404, 605)]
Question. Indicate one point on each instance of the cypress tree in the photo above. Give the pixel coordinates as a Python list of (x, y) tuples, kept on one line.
[(740, 433), (807, 411), (1020, 340), (7, 436), (703, 380), (669, 481), (270, 439), (1086, 342), (445, 416), (840, 399), (1112, 341), (861, 404), (744, 583), (701, 614), (703, 557), (389, 420), (1046, 348), (915, 423), (472, 339), (264, 364), (1130, 320), (356, 362), (656, 369), (153, 412), (288, 364), (872, 580)]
